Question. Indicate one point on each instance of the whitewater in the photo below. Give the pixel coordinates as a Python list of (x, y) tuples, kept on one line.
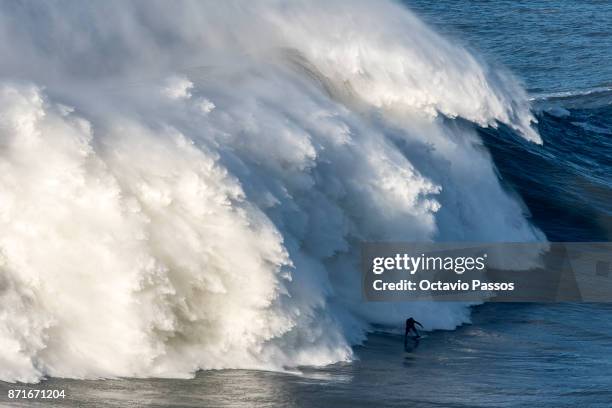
[(185, 185)]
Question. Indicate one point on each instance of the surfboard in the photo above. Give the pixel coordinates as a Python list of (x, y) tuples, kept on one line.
[(412, 344)]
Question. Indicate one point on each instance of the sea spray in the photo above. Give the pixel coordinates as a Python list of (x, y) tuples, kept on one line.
[(184, 186)]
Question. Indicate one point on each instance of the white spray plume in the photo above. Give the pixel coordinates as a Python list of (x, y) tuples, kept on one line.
[(184, 185)]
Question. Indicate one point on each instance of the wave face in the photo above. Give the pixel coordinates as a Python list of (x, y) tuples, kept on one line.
[(184, 185), (565, 182)]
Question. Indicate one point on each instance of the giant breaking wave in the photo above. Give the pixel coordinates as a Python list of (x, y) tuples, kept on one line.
[(184, 185)]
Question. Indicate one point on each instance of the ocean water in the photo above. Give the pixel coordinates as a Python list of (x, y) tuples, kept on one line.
[(183, 191), (511, 356), (558, 50)]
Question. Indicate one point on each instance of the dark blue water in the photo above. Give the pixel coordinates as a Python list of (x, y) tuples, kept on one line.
[(552, 46), (565, 183), (562, 51)]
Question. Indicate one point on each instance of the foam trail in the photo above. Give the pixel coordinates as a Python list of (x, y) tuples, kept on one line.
[(184, 186)]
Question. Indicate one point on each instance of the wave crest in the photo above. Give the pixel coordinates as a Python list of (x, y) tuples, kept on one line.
[(158, 219)]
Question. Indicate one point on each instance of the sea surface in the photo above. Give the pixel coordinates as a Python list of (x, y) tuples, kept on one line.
[(524, 355), (511, 355)]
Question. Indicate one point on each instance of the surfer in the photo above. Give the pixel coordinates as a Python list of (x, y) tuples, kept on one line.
[(410, 326)]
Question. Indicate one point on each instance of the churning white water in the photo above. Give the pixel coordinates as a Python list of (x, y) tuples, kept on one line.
[(184, 185)]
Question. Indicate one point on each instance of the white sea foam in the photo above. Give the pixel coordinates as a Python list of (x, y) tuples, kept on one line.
[(184, 185)]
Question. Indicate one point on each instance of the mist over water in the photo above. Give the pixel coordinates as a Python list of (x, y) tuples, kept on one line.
[(184, 186)]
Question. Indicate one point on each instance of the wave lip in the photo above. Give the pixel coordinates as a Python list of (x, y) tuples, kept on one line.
[(160, 219)]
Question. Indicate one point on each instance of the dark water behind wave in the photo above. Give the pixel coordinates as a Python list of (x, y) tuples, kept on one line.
[(553, 46), (566, 183), (561, 50)]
